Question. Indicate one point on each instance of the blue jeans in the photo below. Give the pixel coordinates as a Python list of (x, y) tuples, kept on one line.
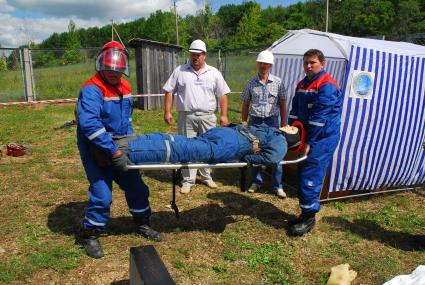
[(277, 172)]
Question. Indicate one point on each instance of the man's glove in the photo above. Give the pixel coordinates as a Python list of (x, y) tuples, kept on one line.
[(121, 161)]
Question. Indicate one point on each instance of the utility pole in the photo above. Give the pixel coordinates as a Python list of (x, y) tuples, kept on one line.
[(327, 15), (177, 26), (112, 28)]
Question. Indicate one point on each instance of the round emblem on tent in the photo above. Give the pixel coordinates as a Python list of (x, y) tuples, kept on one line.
[(362, 84)]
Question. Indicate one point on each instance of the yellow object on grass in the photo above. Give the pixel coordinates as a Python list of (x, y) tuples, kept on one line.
[(341, 275)]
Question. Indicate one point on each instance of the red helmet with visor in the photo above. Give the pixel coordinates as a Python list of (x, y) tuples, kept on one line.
[(113, 57)]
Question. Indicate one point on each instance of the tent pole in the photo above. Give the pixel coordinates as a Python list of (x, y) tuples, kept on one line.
[(370, 193)]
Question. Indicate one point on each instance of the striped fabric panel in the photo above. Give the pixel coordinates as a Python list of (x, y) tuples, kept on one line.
[(417, 167), (411, 118), (290, 69), (381, 138), (337, 161)]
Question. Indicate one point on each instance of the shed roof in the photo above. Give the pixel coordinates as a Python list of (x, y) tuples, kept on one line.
[(137, 42)]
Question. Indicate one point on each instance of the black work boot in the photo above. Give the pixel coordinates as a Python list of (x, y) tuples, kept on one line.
[(303, 224), (91, 242), (143, 228)]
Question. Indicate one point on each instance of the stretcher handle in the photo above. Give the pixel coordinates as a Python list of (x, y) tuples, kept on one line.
[(171, 166)]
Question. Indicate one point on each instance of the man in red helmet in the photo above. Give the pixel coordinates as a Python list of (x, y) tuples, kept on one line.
[(104, 111)]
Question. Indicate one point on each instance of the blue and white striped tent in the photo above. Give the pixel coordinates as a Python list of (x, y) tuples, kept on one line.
[(382, 132)]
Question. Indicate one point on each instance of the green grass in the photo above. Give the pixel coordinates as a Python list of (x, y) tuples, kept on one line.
[(223, 236), (389, 216), (12, 86), (38, 251)]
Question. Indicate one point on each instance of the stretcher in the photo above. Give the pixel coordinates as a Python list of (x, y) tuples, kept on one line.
[(243, 166)]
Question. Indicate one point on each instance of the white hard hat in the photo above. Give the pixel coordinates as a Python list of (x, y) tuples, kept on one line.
[(197, 46), (265, 56)]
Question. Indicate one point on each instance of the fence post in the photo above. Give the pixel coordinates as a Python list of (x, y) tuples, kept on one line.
[(28, 76), (225, 65)]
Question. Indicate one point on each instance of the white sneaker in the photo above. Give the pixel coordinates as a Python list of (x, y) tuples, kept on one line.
[(280, 193), (254, 188), (185, 189), (210, 183)]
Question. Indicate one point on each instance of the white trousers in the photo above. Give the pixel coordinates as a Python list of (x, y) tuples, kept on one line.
[(193, 124)]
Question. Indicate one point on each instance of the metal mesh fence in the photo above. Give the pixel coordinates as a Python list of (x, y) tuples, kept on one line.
[(237, 67), (11, 77), (418, 39), (59, 73)]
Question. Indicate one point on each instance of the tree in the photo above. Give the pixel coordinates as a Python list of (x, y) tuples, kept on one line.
[(161, 27), (246, 24), (3, 61), (271, 33), (408, 16), (205, 26), (230, 16), (73, 42), (273, 15), (364, 18), (248, 32)]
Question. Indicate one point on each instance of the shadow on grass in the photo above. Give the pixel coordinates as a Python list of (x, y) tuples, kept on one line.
[(162, 175), (230, 177), (420, 192), (372, 231), (66, 219), (237, 204), (211, 217), (225, 176), (121, 282)]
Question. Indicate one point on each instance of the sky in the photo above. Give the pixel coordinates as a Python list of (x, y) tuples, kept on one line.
[(22, 21)]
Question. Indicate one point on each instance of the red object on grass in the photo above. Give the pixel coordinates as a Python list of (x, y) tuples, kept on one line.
[(14, 149)]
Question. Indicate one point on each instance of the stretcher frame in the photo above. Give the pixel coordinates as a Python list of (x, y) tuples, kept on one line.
[(243, 166)]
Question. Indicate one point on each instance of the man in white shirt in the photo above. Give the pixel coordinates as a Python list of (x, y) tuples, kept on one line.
[(197, 87)]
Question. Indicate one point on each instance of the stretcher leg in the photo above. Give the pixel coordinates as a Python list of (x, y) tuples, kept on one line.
[(173, 202), (242, 182)]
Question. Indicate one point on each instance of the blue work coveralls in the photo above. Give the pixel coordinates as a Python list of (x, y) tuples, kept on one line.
[(214, 146), (317, 104), (104, 111), (277, 172)]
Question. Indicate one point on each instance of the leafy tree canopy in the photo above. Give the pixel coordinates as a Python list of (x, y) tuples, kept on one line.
[(247, 24)]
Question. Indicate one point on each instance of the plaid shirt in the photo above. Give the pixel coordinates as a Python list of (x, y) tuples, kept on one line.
[(264, 98)]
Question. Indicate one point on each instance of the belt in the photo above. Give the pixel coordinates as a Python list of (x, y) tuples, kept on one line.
[(198, 113), (244, 131)]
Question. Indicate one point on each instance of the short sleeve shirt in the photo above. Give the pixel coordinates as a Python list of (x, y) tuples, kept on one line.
[(264, 98), (196, 93)]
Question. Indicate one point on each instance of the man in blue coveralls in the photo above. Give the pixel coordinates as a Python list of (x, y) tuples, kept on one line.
[(104, 110), (317, 104)]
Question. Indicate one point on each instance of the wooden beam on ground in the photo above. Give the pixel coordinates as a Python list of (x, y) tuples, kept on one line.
[(147, 268)]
